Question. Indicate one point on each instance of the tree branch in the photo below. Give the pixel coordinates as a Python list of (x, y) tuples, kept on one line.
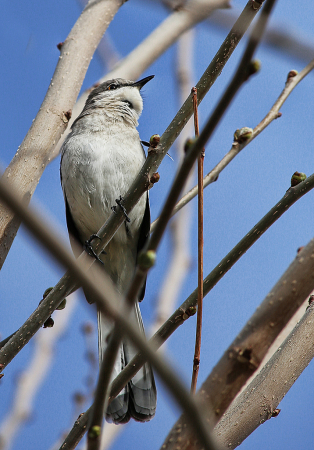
[(188, 307), (34, 154), (108, 300), (64, 286), (270, 385), (242, 74), (236, 148)]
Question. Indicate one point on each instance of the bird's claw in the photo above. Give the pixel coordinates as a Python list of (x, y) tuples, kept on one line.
[(119, 202), (89, 249)]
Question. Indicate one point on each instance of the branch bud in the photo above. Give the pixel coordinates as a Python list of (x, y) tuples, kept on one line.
[(94, 432), (242, 134), (253, 67), (188, 144), (297, 178), (146, 260), (154, 140), (49, 323), (292, 74), (155, 178), (62, 305)]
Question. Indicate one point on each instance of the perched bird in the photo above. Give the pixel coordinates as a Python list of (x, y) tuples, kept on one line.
[(100, 159)]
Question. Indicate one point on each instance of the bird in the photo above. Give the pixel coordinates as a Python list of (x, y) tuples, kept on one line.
[(100, 158)]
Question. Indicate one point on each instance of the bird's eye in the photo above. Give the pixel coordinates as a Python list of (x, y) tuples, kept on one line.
[(112, 87)]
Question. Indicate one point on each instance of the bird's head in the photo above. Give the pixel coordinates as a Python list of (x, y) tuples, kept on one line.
[(117, 97)]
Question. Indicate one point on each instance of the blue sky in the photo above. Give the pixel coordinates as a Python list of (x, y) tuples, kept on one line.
[(245, 191)]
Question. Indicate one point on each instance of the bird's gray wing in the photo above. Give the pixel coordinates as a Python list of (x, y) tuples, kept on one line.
[(143, 237)]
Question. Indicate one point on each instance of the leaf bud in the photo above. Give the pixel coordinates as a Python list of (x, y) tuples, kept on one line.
[(242, 134), (146, 260), (297, 178)]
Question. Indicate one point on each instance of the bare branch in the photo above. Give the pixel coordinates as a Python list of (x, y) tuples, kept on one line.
[(180, 226), (108, 300), (188, 308), (34, 154), (242, 74), (32, 378), (200, 247), (280, 36), (248, 411), (246, 352), (236, 148)]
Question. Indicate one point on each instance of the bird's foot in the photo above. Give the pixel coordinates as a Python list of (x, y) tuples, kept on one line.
[(89, 249), (119, 202)]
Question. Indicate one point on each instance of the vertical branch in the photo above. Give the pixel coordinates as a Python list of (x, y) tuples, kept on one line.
[(180, 226), (200, 173)]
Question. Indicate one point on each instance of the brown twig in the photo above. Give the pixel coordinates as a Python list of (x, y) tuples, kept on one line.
[(242, 74), (236, 148), (108, 300), (64, 286), (102, 390), (200, 167)]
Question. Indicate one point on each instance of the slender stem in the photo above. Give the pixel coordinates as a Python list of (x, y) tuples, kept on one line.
[(187, 309), (238, 79), (101, 396), (108, 300), (200, 171), (65, 286), (102, 390), (237, 147)]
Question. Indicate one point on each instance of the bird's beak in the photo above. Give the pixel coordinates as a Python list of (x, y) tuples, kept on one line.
[(139, 84)]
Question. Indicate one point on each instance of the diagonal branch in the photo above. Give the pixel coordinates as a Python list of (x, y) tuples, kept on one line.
[(65, 286), (270, 385), (242, 74), (188, 307), (34, 154), (291, 83), (109, 301)]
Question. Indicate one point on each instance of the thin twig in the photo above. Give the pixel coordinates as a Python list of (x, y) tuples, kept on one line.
[(236, 148), (200, 167), (188, 307), (102, 390), (65, 286), (108, 300), (179, 228), (239, 78)]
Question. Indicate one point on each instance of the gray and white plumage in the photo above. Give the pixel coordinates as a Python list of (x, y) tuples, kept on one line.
[(100, 159)]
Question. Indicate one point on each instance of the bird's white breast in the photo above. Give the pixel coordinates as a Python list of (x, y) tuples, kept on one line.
[(96, 169)]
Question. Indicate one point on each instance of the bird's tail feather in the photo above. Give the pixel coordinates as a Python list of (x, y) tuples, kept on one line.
[(138, 399)]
